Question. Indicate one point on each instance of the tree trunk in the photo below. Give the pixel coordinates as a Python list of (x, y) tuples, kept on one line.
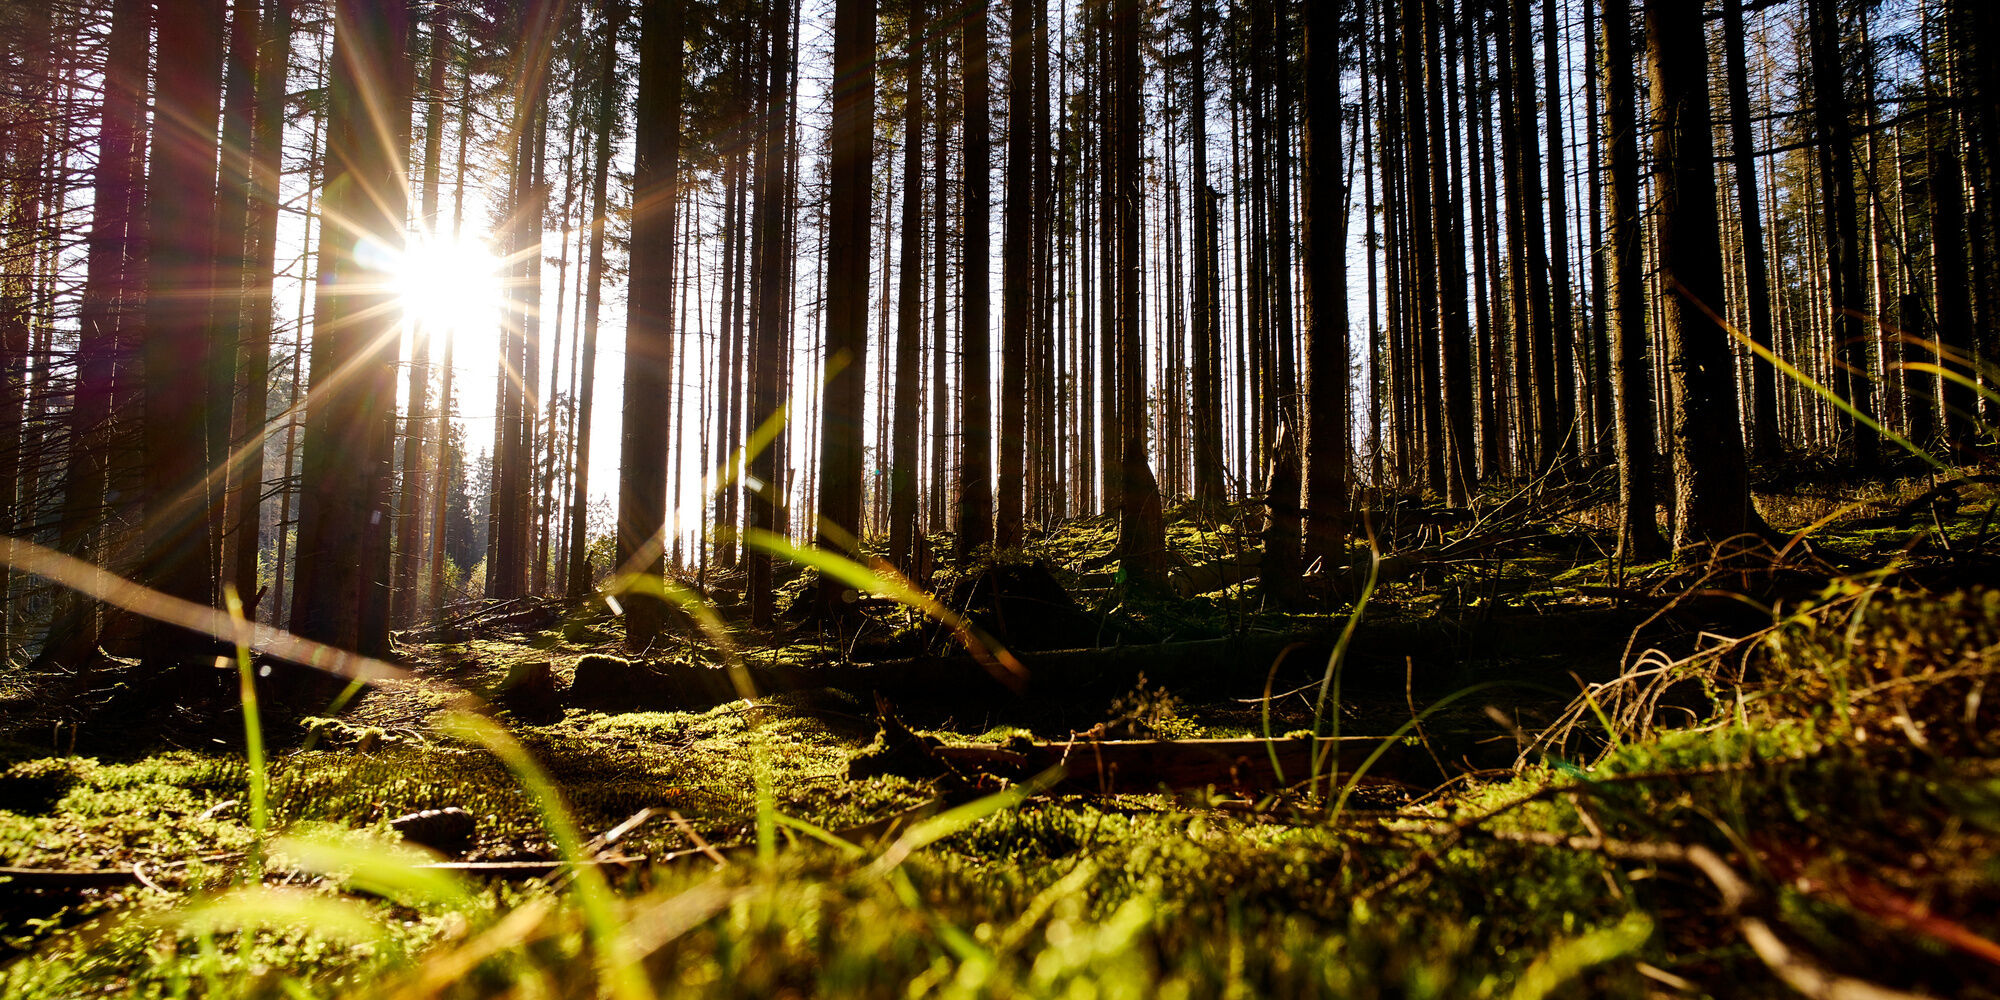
[(1015, 266), (1843, 238), (409, 520), (975, 488), (345, 464), (770, 355), (1711, 484), (1447, 220), (909, 307), (1324, 240), (1763, 377), (1142, 548), (576, 579), (1531, 258), (642, 459), (180, 210), (1638, 530), (1562, 324), (848, 256), (1207, 388), (233, 291), (109, 301)]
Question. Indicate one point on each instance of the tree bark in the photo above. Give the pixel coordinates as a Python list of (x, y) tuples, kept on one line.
[(1742, 147), (110, 298), (975, 488), (1142, 549), (345, 463), (1207, 388), (1638, 531), (576, 578), (642, 465), (1016, 296), (848, 200), (1711, 483), (770, 356), (180, 208), (1843, 239), (909, 307)]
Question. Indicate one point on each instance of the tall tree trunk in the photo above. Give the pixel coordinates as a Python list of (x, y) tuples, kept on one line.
[(1711, 484), (975, 488), (1142, 541), (848, 256), (232, 289), (266, 165), (1325, 248), (180, 208), (1843, 239), (1447, 220), (346, 458), (1207, 388), (1562, 323), (110, 299), (409, 520), (940, 519), (448, 461), (1531, 258), (1016, 295), (1638, 530), (909, 307), (770, 355), (1956, 349), (576, 577), (1742, 147), (649, 348)]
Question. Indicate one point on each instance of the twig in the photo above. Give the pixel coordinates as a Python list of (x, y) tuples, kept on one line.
[(687, 830)]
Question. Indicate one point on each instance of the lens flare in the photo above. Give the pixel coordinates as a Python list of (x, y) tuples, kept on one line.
[(444, 283)]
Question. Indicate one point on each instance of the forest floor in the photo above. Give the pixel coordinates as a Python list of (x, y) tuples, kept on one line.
[(1772, 765)]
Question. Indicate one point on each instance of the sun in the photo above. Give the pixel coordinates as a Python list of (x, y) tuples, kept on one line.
[(445, 283)]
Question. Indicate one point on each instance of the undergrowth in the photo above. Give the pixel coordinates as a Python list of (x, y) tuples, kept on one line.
[(1828, 777)]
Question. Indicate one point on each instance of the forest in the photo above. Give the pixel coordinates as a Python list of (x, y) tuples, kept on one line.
[(1352, 498)]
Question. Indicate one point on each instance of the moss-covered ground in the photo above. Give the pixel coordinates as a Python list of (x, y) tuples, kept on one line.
[(1738, 773)]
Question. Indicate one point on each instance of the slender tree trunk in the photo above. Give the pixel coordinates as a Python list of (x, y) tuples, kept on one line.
[(1447, 218), (1207, 388), (1638, 530), (576, 580), (409, 522), (1562, 322), (1142, 544), (939, 519), (1016, 295), (975, 488), (770, 355), (1763, 386), (448, 461), (1956, 348), (232, 289), (1531, 258), (909, 306), (1836, 166)]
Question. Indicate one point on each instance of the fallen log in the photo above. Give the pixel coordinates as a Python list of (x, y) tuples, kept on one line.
[(613, 683), (1242, 765), (70, 879)]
